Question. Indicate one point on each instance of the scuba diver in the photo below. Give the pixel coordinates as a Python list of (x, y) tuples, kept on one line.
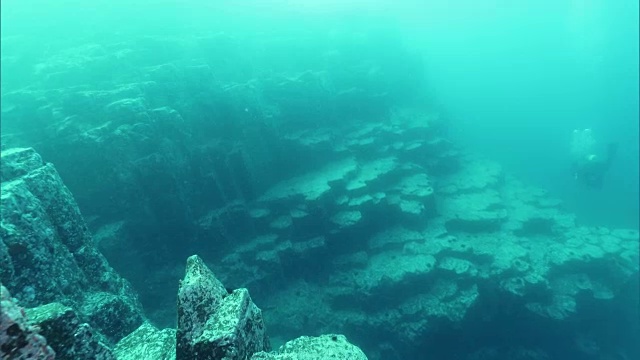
[(590, 163)]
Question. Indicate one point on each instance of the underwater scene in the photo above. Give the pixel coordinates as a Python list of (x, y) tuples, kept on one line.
[(308, 179)]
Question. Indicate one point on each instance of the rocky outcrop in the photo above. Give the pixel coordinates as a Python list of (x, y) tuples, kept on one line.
[(177, 142), (48, 254), (51, 331), (43, 232), (67, 335), (217, 323), (19, 339), (214, 323)]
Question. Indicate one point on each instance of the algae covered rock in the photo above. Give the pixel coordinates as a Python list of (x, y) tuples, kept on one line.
[(19, 339), (321, 347), (214, 323), (67, 335), (48, 254), (474, 212), (147, 343)]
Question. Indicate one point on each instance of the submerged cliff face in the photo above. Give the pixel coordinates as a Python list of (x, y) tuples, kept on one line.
[(164, 153), (339, 204), (48, 252), (68, 303)]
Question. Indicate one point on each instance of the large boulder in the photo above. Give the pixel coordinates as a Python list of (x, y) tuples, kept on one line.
[(214, 323)]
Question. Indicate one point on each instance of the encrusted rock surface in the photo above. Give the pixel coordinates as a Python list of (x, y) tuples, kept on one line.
[(147, 343), (65, 333), (48, 253), (44, 232), (19, 339), (214, 323), (327, 346)]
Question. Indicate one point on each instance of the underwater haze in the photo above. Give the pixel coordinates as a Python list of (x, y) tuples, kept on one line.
[(432, 179), (518, 77), (515, 77)]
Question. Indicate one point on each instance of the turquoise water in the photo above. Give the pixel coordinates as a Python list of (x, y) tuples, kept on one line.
[(191, 127), (520, 76), (515, 77)]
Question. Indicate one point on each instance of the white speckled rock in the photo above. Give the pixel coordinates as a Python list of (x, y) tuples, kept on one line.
[(147, 343), (214, 323), (320, 347)]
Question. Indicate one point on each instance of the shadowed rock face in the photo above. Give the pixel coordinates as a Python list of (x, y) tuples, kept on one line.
[(328, 346), (47, 332), (47, 251), (65, 333)]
